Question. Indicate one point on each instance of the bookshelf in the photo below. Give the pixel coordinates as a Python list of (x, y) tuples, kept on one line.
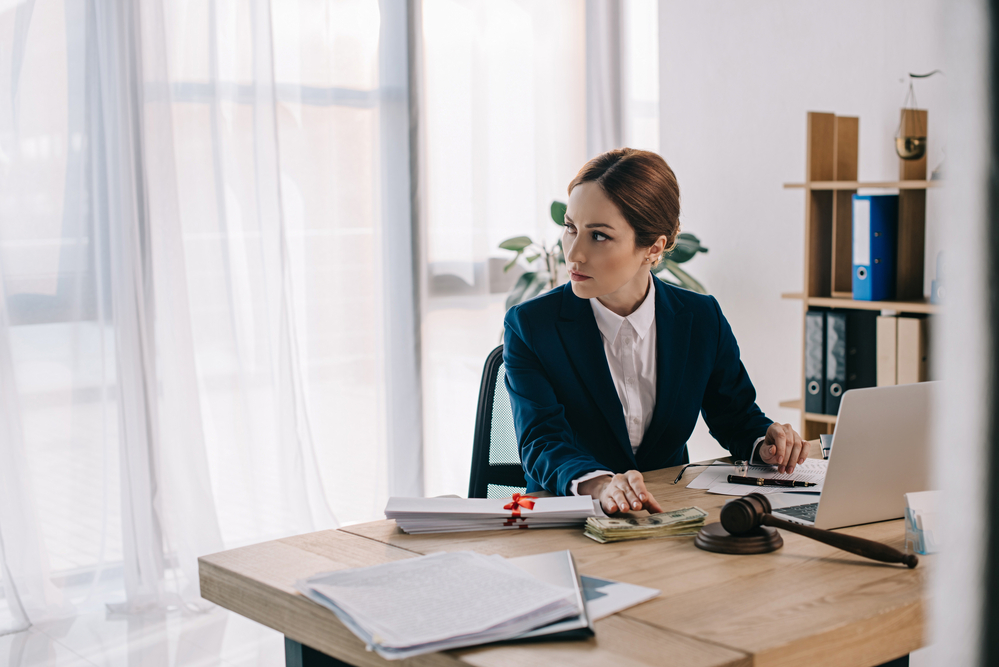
[(830, 182), (916, 306)]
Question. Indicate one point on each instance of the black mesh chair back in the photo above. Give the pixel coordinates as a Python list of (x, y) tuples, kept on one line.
[(496, 469)]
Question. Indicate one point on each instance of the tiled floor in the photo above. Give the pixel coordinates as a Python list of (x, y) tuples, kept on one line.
[(163, 639)]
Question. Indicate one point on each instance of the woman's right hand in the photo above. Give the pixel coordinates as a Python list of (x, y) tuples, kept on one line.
[(620, 493)]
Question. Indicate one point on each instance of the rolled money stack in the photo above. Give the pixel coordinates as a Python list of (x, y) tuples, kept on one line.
[(686, 521)]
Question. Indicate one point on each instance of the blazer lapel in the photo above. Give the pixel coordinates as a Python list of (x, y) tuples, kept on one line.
[(672, 343), (581, 339)]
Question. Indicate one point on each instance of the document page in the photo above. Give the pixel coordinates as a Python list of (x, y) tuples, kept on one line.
[(714, 479), (434, 598)]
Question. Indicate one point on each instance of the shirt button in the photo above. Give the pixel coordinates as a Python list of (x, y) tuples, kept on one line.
[(629, 380), (634, 420)]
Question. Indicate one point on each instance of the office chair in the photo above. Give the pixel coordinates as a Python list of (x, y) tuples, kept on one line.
[(496, 468)]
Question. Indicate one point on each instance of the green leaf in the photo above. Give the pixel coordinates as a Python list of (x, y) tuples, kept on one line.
[(537, 286), (531, 258), (516, 294), (687, 245), (517, 243), (513, 261), (558, 213), (685, 279), (528, 286)]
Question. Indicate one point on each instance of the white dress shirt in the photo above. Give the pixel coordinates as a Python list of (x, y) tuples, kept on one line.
[(630, 346)]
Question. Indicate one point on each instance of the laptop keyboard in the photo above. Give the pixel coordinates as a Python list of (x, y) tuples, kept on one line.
[(805, 512)]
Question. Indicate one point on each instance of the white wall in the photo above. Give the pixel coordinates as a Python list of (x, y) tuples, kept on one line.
[(736, 81)]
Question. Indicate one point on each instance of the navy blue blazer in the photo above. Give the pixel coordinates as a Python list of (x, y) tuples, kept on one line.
[(567, 413)]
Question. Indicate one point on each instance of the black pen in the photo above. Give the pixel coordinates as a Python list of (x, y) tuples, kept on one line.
[(762, 481)]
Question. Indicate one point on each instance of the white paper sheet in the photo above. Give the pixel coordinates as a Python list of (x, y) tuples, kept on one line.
[(713, 479), (605, 597)]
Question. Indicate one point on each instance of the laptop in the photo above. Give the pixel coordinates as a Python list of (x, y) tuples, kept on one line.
[(881, 450)]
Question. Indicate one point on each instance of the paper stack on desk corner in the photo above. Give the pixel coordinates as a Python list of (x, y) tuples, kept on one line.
[(453, 515), (439, 602)]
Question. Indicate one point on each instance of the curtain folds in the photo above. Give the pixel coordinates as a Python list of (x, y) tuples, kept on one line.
[(206, 286), (24, 571), (503, 122), (219, 322), (604, 85)]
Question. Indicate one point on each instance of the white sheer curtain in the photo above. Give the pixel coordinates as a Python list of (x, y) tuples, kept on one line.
[(205, 284), (503, 100)]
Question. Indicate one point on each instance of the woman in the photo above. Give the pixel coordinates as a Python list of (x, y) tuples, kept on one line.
[(608, 373)]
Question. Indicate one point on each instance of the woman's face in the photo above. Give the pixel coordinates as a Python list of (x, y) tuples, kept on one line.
[(600, 251)]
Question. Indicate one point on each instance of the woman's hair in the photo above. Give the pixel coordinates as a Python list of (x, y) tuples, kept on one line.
[(643, 188)]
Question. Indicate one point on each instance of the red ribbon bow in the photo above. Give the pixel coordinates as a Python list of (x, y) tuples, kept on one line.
[(527, 502)]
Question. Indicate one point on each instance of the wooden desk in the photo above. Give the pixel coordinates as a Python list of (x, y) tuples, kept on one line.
[(805, 604)]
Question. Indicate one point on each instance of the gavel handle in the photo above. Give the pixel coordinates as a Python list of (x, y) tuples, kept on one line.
[(857, 545)]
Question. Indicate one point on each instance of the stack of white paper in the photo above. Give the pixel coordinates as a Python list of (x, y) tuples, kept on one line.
[(439, 602), (453, 515)]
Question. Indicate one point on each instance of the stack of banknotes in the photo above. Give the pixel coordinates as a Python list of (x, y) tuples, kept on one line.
[(686, 521)]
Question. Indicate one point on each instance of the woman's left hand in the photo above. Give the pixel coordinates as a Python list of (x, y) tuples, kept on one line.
[(782, 447)]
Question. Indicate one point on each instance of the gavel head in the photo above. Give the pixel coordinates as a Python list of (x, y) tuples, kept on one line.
[(744, 515)]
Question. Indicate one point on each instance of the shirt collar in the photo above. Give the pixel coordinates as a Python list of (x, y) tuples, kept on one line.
[(610, 322)]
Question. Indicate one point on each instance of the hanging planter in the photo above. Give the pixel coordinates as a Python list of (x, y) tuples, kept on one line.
[(910, 142)]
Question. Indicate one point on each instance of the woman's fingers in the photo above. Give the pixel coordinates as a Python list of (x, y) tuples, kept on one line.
[(633, 501), (627, 492), (637, 485), (776, 431), (614, 494), (794, 456), (620, 500), (651, 503), (627, 495), (645, 498), (610, 505)]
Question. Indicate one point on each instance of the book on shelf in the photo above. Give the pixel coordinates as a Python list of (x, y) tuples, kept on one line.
[(851, 357)]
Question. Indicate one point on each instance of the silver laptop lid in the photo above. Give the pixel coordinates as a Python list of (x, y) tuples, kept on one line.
[(881, 451)]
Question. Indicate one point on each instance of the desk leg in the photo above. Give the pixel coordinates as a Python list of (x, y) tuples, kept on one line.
[(299, 655)]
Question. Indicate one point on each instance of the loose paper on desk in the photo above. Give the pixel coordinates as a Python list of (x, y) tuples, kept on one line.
[(438, 602), (714, 479)]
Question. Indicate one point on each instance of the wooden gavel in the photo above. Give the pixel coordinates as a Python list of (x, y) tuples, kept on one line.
[(748, 513)]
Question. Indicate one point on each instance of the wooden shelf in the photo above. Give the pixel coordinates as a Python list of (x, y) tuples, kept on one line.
[(796, 404), (922, 306), (856, 185), (831, 179), (825, 419)]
